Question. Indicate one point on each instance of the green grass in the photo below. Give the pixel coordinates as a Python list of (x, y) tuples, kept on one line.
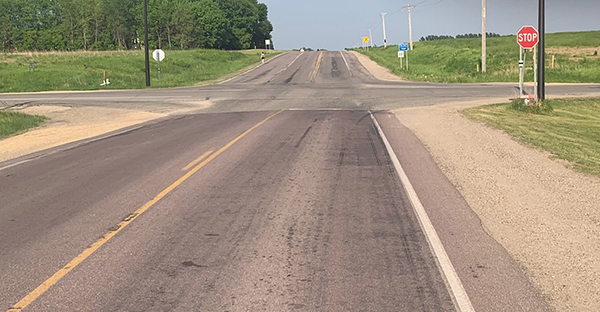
[(56, 71), (12, 123), (456, 60), (571, 132)]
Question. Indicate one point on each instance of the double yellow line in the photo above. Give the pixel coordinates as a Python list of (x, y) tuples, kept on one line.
[(40, 290), (314, 75)]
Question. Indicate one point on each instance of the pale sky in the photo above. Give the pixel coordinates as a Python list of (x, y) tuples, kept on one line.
[(335, 25)]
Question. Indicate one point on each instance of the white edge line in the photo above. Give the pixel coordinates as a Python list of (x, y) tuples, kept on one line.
[(461, 298), (286, 68), (297, 57), (342, 53), (290, 64)]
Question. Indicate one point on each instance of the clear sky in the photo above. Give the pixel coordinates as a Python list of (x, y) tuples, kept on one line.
[(335, 25)]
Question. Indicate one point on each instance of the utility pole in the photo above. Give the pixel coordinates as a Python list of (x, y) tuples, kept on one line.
[(146, 48), (384, 37), (408, 7), (541, 87), (483, 37), (371, 37)]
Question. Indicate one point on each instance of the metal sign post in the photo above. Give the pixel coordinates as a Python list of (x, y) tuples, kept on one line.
[(404, 48), (158, 55), (535, 74), (521, 71), (146, 47), (541, 87), (401, 56)]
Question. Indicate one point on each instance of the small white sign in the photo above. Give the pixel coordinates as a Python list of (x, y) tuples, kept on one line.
[(400, 54), (267, 42), (158, 55)]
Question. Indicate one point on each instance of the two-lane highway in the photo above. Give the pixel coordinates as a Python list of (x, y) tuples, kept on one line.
[(304, 212), (280, 197)]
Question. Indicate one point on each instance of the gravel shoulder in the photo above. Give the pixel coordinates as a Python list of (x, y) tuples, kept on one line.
[(379, 72), (69, 124), (544, 214)]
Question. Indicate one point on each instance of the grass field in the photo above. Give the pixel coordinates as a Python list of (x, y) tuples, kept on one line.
[(571, 132), (12, 123), (55, 71), (456, 60)]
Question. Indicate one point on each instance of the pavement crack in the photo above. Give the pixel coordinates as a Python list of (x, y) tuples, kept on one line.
[(189, 264)]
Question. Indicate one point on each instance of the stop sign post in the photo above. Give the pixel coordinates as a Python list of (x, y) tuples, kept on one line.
[(527, 37)]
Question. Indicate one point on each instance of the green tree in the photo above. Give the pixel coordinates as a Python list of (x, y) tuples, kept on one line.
[(118, 24)]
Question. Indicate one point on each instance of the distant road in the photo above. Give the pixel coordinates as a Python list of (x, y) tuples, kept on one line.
[(279, 197), (287, 82)]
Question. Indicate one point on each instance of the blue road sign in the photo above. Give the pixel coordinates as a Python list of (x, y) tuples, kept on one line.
[(403, 47)]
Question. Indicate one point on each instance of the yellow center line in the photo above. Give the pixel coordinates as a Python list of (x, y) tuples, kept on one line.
[(40, 290), (199, 159), (314, 75)]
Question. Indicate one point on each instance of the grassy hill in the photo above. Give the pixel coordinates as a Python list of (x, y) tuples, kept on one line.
[(456, 60), (56, 71)]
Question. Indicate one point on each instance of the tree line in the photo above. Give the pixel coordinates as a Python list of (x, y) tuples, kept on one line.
[(34, 25), (445, 37)]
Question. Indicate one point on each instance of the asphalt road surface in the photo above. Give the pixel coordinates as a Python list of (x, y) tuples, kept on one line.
[(279, 197)]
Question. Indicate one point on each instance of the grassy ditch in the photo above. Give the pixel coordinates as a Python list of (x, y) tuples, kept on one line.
[(576, 59), (12, 123), (571, 132), (58, 71)]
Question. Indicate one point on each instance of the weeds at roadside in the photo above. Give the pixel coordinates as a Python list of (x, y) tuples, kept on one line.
[(569, 129), (12, 123), (542, 108)]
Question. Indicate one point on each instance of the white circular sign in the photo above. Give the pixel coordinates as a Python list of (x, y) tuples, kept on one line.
[(158, 55)]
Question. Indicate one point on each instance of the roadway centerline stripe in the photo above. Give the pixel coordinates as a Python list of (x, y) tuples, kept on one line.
[(314, 75), (458, 292), (40, 290), (199, 159)]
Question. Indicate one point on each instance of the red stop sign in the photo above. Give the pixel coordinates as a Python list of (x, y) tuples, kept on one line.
[(528, 37)]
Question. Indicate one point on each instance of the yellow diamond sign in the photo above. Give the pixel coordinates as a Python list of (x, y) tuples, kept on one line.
[(366, 39)]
